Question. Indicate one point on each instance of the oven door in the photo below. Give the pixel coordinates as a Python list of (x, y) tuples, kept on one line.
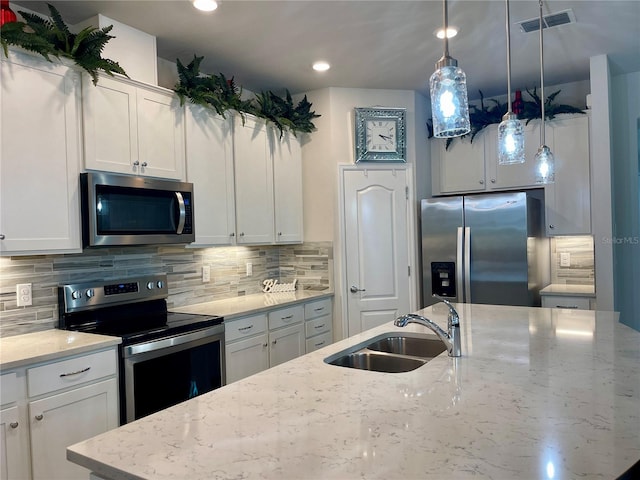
[(163, 372)]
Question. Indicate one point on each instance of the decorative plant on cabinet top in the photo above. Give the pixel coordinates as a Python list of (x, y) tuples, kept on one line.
[(222, 94), (51, 37)]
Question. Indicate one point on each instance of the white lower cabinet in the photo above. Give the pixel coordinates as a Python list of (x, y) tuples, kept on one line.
[(286, 344), (56, 404), (318, 324)]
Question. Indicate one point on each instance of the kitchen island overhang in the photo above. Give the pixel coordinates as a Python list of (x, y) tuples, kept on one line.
[(537, 392)]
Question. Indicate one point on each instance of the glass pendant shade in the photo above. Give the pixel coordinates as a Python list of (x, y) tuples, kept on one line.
[(545, 165), (510, 141), (449, 104)]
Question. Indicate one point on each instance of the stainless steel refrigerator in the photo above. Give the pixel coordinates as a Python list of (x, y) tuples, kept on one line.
[(485, 248)]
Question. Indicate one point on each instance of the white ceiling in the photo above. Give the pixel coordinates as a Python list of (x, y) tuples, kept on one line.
[(386, 44)]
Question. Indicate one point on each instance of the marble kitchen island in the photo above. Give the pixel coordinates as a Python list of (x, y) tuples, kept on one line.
[(538, 393)]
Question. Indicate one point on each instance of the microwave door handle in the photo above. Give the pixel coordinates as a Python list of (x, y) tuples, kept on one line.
[(183, 212)]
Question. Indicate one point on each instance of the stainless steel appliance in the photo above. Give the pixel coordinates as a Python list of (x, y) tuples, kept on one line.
[(125, 210), (484, 248), (165, 357)]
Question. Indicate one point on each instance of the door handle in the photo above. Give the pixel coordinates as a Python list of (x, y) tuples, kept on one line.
[(355, 289), (182, 212)]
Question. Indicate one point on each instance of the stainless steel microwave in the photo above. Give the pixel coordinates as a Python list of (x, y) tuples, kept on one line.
[(126, 210)]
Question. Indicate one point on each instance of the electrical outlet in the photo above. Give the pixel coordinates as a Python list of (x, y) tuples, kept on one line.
[(565, 259), (249, 269), (206, 273), (23, 294)]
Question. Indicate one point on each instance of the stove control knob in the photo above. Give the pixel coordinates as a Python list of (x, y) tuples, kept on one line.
[(150, 285), (76, 294), (89, 293), (160, 284)]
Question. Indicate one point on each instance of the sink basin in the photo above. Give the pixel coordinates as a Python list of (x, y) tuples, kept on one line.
[(378, 362), (392, 352), (409, 345)]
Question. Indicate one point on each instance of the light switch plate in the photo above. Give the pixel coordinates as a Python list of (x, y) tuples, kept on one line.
[(206, 273), (565, 259), (249, 269)]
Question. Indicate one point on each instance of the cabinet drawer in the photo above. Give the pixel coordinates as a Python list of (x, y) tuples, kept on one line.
[(319, 341), (285, 316), (561, 301), (317, 308), (8, 388), (317, 326), (245, 327), (74, 371)]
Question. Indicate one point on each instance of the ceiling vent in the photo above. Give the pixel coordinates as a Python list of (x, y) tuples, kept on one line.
[(552, 20)]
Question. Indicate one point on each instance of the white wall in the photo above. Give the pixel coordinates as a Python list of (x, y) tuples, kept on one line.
[(625, 120)]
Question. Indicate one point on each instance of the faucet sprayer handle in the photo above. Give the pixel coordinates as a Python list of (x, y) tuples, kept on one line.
[(454, 318)]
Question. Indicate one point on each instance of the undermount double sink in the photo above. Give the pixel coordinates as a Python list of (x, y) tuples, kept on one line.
[(393, 352)]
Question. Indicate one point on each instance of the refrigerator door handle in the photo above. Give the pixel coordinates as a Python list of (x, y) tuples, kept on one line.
[(467, 264), (459, 260)]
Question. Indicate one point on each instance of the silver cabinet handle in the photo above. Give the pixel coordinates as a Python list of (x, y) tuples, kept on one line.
[(144, 164), (318, 344), (136, 163), (1, 236), (62, 375), (244, 329), (355, 289), (319, 309), (573, 307), (13, 424), (39, 417), (288, 317), (319, 326)]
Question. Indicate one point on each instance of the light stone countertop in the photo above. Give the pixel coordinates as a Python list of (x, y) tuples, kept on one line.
[(538, 393), (572, 290), (47, 345), (235, 307)]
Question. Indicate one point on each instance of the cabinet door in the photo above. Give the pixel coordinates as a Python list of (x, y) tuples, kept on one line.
[(160, 134), (14, 456), (568, 200), (254, 183), (287, 188), (246, 357), (286, 344), (40, 154), (209, 160), (516, 175), (55, 425), (461, 168), (110, 125)]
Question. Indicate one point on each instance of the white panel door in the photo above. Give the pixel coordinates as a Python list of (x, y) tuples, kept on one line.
[(377, 248)]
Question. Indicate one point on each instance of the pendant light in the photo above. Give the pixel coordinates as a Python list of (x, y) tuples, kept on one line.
[(545, 164), (448, 87), (510, 130)]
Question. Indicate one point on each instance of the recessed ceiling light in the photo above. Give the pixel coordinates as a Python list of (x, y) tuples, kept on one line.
[(321, 66), (205, 5), (451, 32)]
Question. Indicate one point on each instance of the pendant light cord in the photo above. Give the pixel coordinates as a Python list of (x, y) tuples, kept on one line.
[(509, 110), (542, 99), (445, 20)]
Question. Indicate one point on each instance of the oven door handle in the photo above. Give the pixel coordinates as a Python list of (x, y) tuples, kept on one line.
[(174, 341)]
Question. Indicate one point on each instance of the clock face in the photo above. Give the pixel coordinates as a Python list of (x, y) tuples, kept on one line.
[(381, 136)]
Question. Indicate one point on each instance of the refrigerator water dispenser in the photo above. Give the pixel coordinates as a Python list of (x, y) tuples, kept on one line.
[(443, 275)]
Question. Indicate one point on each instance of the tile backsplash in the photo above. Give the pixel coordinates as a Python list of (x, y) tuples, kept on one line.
[(311, 263), (580, 270)]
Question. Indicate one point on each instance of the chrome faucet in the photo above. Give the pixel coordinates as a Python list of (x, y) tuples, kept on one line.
[(451, 338)]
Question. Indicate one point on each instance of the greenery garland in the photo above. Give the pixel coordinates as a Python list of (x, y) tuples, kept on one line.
[(483, 116), (51, 37), (221, 94)]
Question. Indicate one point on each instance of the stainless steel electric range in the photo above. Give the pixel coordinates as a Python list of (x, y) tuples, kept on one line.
[(165, 357)]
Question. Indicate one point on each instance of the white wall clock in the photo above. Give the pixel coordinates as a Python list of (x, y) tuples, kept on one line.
[(380, 134)]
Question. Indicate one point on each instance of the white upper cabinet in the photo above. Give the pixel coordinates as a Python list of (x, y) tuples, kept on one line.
[(253, 182), (461, 167), (209, 147), (40, 155), (133, 128), (287, 188)]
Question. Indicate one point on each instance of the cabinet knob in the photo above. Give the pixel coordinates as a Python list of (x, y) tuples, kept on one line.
[(274, 341), (136, 163), (481, 182), (493, 180), (242, 234), (552, 226), (232, 234), (1, 236), (39, 417), (13, 424), (265, 345), (355, 289), (144, 164), (279, 234)]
